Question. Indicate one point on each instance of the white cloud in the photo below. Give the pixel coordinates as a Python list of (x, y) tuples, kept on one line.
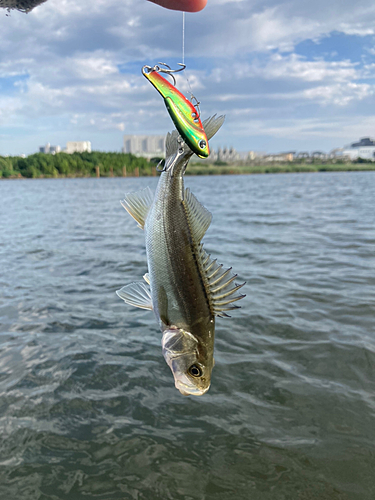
[(92, 67), (356, 29), (60, 64), (339, 94), (239, 28), (294, 66)]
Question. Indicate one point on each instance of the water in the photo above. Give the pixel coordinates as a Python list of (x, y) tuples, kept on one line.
[(88, 408)]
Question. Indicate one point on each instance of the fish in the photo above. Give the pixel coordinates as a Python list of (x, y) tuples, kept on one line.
[(183, 113), (184, 287)]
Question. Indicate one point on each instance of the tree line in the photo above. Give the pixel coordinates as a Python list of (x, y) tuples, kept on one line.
[(73, 165)]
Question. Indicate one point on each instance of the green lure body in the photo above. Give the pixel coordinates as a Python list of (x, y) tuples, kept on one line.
[(183, 113)]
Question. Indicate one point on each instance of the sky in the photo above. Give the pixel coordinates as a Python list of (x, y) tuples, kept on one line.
[(289, 75)]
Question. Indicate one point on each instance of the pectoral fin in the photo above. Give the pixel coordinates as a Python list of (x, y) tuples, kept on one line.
[(136, 294), (138, 204)]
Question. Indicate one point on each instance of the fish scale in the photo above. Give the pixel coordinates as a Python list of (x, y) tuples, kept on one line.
[(172, 261)]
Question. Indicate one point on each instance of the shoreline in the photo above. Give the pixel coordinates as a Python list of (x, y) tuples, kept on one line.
[(227, 170)]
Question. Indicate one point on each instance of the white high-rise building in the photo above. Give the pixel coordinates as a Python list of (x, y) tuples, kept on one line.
[(144, 145), (48, 149), (78, 147), (365, 149)]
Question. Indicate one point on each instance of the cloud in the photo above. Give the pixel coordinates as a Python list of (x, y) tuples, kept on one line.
[(296, 67), (73, 67), (291, 66), (268, 25), (340, 94), (312, 128)]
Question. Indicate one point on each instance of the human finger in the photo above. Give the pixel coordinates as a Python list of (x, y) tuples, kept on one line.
[(184, 5)]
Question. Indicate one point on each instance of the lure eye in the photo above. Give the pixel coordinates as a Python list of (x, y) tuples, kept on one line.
[(202, 144), (195, 371)]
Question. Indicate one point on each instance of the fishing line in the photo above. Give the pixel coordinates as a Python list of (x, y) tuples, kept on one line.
[(183, 58), (183, 38)]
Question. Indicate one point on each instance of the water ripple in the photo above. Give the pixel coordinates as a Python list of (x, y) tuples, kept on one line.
[(88, 408)]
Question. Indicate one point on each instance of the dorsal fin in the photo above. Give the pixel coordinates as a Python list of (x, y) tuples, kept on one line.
[(198, 216), (212, 124), (171, 143), (136, 294), (221, 288), (138, 204)]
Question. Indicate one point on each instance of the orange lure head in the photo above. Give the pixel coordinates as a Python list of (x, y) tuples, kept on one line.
[(183, 113)]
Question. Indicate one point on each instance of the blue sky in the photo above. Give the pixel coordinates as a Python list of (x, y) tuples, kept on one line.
[(296, 75)]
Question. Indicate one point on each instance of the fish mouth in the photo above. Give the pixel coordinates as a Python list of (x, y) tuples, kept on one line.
[(189, 389), (191, 393)]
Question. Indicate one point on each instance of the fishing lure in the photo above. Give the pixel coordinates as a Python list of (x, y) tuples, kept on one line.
[(185, 115)]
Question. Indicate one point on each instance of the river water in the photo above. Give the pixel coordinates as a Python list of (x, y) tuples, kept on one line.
[(88, 408)]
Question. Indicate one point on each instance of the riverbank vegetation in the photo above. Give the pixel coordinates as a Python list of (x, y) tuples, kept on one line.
[(73, 165), (101, 164), (277, 168)]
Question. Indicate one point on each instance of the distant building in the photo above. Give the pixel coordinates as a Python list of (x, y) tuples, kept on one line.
[(365, 149), (227, 155), (254, 155), (55, 149), (365, 141), (249, 155), (280, 157), (337, 153), (48, 149), (144, 145), (245, 156), (319, 155), (78, 147), (302, 155)]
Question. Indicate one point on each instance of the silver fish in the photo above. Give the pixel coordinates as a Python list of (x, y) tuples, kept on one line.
[(184, 287)]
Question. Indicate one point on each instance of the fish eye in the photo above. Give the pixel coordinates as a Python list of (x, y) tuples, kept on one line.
[(195, 371), (202, 144)]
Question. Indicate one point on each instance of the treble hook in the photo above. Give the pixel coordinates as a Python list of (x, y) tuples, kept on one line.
[(195, 103), (158, 166), (163, 168), (168, 70)]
